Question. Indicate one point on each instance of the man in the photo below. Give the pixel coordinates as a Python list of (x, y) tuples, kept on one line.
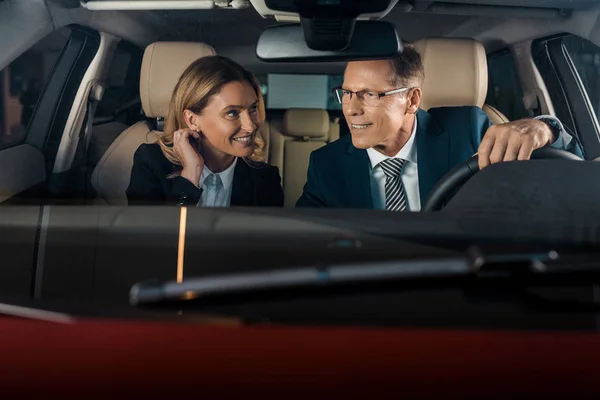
[(396, 152)]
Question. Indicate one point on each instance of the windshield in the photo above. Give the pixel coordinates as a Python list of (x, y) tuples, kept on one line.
[(147, 142)]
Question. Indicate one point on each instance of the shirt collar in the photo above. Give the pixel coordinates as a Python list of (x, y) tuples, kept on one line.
[(226, 175), (408, 152)]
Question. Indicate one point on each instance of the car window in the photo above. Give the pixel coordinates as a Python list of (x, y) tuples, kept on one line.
[(283, 91), (122, 92), (21, 85), (586, 58), (504, 88)]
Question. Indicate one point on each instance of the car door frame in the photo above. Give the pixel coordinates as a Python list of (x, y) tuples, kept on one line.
[(48, 120), (567, 91)]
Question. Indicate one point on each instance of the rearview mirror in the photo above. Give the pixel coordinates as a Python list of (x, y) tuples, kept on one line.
[(369, 40)]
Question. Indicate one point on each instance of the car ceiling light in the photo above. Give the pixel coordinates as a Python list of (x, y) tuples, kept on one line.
[(97, 5)]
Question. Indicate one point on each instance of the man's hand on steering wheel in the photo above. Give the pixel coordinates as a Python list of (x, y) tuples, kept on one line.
[(513, 141)]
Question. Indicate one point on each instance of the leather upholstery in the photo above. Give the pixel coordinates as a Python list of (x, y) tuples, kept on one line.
[(456, 74), (292, 139), (162, 65), (111, 176), (495, 116), (306, 123)]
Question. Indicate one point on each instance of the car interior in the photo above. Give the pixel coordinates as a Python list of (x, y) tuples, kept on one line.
[(97, 81), (84, 83)]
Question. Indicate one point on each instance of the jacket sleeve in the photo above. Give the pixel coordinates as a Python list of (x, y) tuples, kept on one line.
[(146, 187), (565, 140), (481, 122), (573, 146), (312, 195), (275, 190), (184, 192)]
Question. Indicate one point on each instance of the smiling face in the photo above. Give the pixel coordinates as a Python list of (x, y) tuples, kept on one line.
[(387, 125), (230, 121)]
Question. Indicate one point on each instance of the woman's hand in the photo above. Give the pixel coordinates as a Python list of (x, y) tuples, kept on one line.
[(184, 145)]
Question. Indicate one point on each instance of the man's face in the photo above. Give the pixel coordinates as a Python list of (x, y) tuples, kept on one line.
[(378, 125)]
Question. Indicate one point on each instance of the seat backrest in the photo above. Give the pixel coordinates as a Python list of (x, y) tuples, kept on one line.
[(456, 74), (292, 139), (162, 65), (495, 115)]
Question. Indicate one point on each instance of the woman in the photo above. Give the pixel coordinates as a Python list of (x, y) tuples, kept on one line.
[(210, 153)]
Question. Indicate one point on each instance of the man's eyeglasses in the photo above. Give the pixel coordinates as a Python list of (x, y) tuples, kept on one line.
[(367, 97)]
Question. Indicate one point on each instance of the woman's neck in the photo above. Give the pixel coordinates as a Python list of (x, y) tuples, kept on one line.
[(217, 162)]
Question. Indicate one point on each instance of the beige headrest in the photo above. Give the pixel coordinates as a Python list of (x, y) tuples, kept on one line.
[(455, 72), (162, 65), (305, 122)]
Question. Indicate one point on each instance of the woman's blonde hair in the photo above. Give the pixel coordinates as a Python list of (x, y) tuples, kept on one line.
[(203, 79)]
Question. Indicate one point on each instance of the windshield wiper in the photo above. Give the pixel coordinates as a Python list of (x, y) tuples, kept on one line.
[(474, 264), (35, 314)]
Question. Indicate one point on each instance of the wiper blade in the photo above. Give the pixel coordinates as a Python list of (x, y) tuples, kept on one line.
[(319, 276), (35, 314)]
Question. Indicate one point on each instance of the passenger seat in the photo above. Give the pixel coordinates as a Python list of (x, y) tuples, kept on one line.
[(292, 139), (162, 65), (456, 74)]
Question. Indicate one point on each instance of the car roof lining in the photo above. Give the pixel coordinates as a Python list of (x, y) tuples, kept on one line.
[(215, 27)]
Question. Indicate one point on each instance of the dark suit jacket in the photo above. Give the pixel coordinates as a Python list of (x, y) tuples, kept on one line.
[(339, 173), (258, 184)]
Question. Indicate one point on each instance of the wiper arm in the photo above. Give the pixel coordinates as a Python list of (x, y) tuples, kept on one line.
[(35, 314), (318, 276), (191, 288)]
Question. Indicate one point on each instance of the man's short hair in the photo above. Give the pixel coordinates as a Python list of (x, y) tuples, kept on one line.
[(407, 68)]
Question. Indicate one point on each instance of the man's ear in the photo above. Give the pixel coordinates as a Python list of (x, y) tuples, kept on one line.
[(192, 120), (414, 100)]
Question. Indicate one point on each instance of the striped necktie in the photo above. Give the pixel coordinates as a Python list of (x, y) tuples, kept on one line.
[(395, 196)]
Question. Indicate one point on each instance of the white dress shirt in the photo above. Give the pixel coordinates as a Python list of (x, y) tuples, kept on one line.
[(409, 174), (219, 196)]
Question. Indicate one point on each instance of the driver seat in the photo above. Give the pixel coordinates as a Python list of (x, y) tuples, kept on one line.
[(456, 74)]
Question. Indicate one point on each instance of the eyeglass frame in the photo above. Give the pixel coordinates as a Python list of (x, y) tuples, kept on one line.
[(380, 94)]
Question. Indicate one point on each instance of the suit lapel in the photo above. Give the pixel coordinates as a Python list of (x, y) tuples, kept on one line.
[(243, 190), (433, 148), (358, 186)]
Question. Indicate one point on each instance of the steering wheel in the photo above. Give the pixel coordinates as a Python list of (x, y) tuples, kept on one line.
[(453, 180)]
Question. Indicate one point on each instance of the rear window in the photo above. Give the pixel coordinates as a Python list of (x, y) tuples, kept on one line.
[(283, 91)]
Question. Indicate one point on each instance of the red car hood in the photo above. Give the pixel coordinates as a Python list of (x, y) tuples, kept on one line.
[(105, 358)]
